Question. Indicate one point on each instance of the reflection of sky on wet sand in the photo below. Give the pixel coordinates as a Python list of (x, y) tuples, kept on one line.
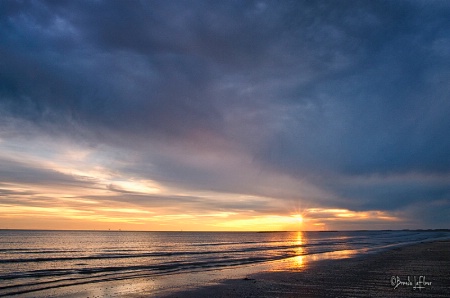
[(303, 260)]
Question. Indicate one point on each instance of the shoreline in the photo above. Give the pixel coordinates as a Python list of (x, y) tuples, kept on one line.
[(340, 273), (369, 275)]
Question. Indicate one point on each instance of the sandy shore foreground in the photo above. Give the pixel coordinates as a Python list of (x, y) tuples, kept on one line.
[(421, 270)]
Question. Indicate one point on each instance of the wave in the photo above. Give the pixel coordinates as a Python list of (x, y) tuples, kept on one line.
[(149, 254)]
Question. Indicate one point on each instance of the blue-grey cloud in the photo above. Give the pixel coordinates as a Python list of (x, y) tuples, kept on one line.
[(15, 172)]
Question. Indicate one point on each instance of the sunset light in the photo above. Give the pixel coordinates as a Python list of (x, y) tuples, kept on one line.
[(298, 218)]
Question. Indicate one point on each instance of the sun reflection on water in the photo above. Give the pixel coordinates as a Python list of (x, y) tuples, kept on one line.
[(299, 260)]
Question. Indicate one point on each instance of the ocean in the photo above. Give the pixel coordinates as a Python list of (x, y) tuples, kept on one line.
[(32, 261)]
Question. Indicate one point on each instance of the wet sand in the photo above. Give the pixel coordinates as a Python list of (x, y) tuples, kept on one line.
[(374, 275), (366, 275)]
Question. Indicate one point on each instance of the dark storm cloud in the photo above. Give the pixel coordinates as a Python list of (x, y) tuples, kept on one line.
[(116, 86), (161, 67), (320, 91), (391, 193), (384, 115)]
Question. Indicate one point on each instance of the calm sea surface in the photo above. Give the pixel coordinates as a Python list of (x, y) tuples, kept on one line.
[(35, 260)]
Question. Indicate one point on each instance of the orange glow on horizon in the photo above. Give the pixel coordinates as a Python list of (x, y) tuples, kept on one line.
[(102, 207), (85, 214)]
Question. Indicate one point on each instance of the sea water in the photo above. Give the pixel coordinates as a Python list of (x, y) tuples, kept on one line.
[(31, 261)]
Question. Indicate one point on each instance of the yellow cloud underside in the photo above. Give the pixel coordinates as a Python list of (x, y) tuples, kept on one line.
[(134, 218), (90, 207)]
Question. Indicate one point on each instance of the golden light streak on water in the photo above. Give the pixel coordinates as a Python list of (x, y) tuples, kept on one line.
[(299, 260)]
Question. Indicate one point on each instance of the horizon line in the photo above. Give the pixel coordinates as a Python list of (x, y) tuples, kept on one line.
[(209, 231)]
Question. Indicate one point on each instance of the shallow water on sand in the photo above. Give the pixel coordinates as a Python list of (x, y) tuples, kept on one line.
[(32, 261)]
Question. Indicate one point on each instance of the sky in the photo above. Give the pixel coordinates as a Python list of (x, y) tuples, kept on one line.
[(224, 115)]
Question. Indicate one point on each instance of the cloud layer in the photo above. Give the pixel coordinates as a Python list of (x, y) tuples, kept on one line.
[(246, 108)]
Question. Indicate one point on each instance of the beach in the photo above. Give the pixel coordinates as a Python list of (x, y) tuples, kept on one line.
[(281, 264), (426, 264), (381, 274)]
